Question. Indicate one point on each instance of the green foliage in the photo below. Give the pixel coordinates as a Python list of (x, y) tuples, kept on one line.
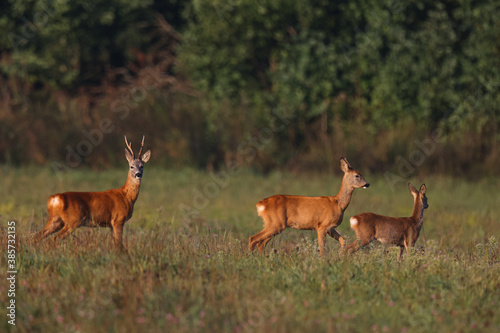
[(392, 60), (364, 78), (69, 43)]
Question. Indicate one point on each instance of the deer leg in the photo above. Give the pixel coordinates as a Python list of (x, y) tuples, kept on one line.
[(334, 234), (358, 243), (262, 244), (270, 229), (321, 241), (253, 240), (408, 244), (117, 236), (65, 231), (263, 238), (401, 249), (54, 225), (353, 247)]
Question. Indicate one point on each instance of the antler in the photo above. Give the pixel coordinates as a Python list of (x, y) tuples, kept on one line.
[(142, 144), (129, 146)]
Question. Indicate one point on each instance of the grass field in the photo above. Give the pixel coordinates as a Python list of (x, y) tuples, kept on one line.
[(195, 274)]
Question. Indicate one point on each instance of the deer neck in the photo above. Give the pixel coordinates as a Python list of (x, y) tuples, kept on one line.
[(131, 189), (418, 213), (344, 195)]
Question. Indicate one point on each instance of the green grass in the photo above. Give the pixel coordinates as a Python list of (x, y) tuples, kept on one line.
[(196, 275)]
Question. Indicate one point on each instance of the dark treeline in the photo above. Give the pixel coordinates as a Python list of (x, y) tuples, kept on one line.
[(411, 86)]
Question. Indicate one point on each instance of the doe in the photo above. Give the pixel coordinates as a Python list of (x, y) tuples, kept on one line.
[(112, 208), (322, 214), (400, 231)]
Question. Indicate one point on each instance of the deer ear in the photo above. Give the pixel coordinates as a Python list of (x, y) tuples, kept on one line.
[(145, 157), (412, 189), (344, 164), (128, 156), (423, 189)]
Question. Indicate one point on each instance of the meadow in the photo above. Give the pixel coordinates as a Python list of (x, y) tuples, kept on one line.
[(193, 272)]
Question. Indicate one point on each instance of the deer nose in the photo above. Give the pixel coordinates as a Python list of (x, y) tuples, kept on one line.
[(138, 175), (366, 185)]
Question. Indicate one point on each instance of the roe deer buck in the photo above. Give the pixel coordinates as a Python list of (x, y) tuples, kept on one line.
[(112, 208), (308, 213), (401, 231)]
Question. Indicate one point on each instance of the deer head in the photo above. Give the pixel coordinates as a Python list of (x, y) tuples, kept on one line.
[(136, 164), (419, 196), (352, 177)]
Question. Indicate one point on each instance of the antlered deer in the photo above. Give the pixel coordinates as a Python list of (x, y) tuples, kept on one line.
[(112, 208), (400, 231), (322, 214)]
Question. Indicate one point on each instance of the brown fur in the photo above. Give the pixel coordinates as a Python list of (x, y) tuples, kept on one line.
[(323, 214), (400, 231), (112, 208)]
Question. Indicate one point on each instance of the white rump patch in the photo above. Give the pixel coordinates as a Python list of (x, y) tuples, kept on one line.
[(354, 222), (56, 201), (261, 208)]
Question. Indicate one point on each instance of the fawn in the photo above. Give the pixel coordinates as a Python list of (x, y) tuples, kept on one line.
[(400, 231)]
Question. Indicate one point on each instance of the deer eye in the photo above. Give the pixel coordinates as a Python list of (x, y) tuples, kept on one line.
[(131, 167), (357, 176)]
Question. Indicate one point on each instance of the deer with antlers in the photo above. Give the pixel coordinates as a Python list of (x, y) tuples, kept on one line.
[(322, 214), (112, 208), (400, 231)]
